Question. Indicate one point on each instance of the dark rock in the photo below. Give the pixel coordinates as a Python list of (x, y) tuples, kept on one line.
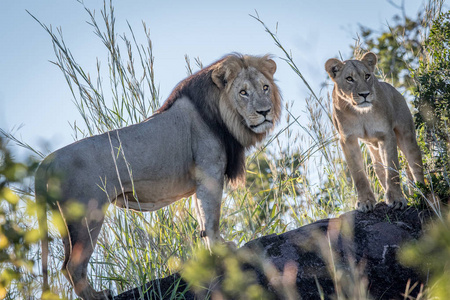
[(328, 257), (160, 289)]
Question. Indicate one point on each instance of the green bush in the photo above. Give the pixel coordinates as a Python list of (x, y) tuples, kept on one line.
[(431, 255), (17, 236), (433, 92), (432, 102)]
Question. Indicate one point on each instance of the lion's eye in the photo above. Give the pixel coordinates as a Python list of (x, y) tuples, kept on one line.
[(367, 76), (266, 87), (243, 92), (349, 79)]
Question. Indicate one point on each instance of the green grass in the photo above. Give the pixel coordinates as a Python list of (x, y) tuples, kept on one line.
[(297, 176)]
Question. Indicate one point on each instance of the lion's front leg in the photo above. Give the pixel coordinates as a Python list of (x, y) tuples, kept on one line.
[(352, 153), (208, 199), (208, 217), (394, 195)]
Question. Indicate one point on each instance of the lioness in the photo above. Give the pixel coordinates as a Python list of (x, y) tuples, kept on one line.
[(375, 112), (194, 142)]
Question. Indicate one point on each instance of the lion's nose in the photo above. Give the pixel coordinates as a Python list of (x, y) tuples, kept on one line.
[(263, 112), (365, 94)]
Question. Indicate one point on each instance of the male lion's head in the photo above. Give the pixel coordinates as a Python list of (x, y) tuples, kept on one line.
[(354, 79), (250, 102)]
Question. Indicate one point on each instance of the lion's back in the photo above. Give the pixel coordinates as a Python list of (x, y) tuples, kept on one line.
[(156, 150)]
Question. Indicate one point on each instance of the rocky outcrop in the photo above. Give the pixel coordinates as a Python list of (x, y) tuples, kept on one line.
[(347, 256)]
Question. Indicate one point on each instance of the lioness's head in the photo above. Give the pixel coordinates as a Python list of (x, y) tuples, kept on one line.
[(250, 102), (354, 79)]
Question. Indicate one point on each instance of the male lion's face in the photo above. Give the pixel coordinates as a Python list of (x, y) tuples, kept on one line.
[(354, 80), (251, 92), (250, 103)]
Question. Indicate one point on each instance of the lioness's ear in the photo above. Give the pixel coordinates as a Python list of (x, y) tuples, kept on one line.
[(223, 74), (333, 66), (370, 60)]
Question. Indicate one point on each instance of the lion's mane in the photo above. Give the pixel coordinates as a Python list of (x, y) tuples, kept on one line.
[(207, 97)]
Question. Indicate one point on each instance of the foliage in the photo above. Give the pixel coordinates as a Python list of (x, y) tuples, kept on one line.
[(397, 49), (433, 97), (297, 177), (225, 264), (431, 255), (132, 84), (16, 235), (269, 178)]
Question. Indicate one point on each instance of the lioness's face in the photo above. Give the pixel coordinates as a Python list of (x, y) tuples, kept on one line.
[(354, 80), (252, 94), (354, 84)]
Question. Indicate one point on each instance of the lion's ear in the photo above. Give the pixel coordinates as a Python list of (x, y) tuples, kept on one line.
[(270, 65), (223, 74), (333, 66), (370, 60), (218, 77)]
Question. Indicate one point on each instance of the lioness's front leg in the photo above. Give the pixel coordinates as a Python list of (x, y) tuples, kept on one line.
[(408, 145), (352, 153), (394, 195), (377, 162)]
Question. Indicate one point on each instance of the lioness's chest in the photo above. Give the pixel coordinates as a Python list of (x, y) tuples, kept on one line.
[(366, 126)]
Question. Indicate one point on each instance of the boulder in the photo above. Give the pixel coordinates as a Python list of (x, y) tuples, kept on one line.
[(348, 256)]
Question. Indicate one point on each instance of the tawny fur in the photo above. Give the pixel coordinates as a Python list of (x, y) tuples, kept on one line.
[(376, 113)]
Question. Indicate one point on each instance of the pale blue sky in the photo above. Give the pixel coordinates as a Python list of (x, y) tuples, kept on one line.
[(33, 92)]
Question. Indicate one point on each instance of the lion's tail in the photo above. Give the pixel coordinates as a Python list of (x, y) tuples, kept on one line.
[(41, 211)]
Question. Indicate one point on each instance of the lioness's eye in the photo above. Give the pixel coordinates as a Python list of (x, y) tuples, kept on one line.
[(266, 87), (349, 79), (243, 92), (367, 76)]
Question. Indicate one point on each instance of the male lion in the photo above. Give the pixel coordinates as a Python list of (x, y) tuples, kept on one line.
[(194, 142), (375, 112)]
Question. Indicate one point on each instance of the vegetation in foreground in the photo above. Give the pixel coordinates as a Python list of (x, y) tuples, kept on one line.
[(298, 176)]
